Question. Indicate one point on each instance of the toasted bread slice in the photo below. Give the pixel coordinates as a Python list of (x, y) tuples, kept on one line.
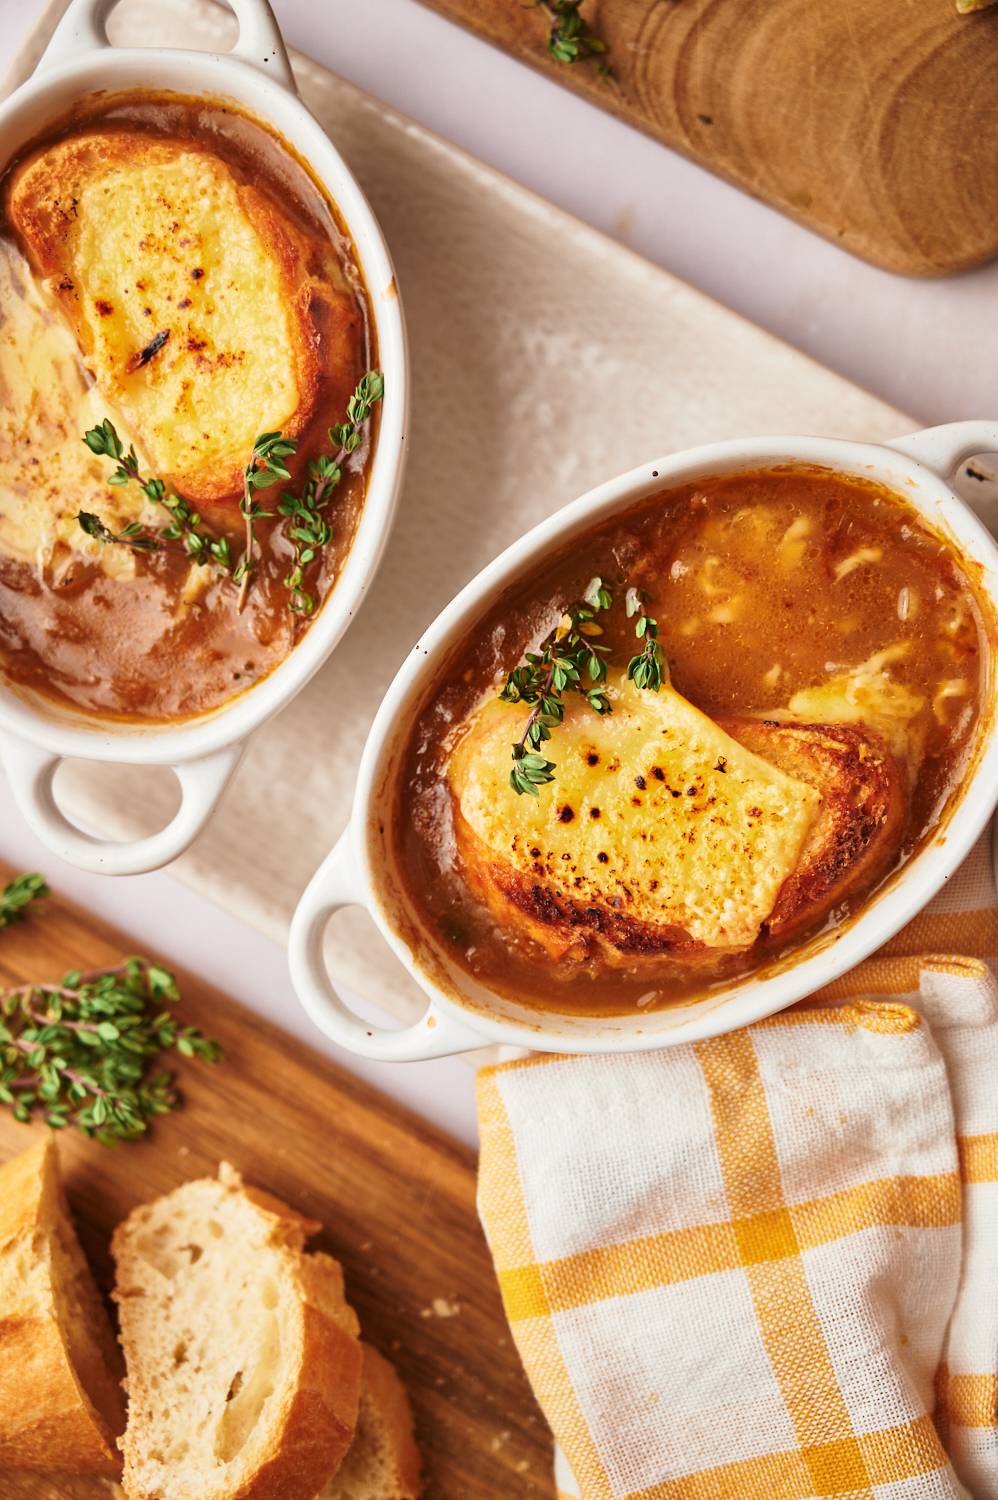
[(244, 1366), (661, 835), (61, 1404), (383, 1462), (202, 312), (860, 821)]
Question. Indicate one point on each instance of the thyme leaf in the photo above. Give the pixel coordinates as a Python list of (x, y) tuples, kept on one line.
[(645, 669), (571, 39), (18, 895)]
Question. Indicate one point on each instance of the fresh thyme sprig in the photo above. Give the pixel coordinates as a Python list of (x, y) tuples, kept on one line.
[(645, 669), (201, 545), (18, 895), (568, 660), (571, 38), (310, 531), (81, 1052), (265, 468)]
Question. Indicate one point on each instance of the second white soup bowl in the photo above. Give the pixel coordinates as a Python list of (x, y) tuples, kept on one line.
[(462, 1014)]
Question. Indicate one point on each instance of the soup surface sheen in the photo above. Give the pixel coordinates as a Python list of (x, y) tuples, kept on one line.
[(150, 635), (791, 595)]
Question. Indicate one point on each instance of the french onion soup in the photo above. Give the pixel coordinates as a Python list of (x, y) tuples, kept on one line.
[(697, 735), (186, 404)]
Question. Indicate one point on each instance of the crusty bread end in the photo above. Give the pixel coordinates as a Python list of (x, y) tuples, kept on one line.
[(61, 1405)]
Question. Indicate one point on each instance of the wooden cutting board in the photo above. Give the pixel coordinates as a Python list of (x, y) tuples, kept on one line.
[(874, 122), (397, 1198)]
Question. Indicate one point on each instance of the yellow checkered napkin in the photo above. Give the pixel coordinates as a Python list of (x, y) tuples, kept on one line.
[(767, 1264)]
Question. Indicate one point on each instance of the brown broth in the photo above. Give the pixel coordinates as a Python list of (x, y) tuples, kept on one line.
[(148, 637), (763, 584)]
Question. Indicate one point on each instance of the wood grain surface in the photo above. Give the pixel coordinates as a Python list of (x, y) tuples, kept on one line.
[(874, 122), (396, 1196)]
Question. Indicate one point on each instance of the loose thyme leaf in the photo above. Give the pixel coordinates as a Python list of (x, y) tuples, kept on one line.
[(82, 1052), (16, 897), (571, 39)]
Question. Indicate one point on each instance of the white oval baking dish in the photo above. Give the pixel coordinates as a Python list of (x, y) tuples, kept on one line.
[(462, 1015), (35, 735)]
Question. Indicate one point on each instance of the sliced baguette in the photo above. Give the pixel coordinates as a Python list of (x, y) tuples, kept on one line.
[(383, 1462), (244, 1366), (61, 1404)]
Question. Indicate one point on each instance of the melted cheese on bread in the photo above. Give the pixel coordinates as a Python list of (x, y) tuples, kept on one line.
[(47, 474), (660, 832), (189, 293)]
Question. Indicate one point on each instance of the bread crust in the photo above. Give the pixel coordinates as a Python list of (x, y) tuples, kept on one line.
[(388, 1394), (860, 823), (573, 930), (43, 195), (317, 1424), (317, 1420), (48, 1421), (383, 1462)]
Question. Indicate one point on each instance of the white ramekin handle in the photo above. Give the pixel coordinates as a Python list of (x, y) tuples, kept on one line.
[(83, 28), (260, 41), (946, 449), (31, 772), (334, 886)]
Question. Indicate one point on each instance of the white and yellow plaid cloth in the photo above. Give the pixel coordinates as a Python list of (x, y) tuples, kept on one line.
[(767, 1264)]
